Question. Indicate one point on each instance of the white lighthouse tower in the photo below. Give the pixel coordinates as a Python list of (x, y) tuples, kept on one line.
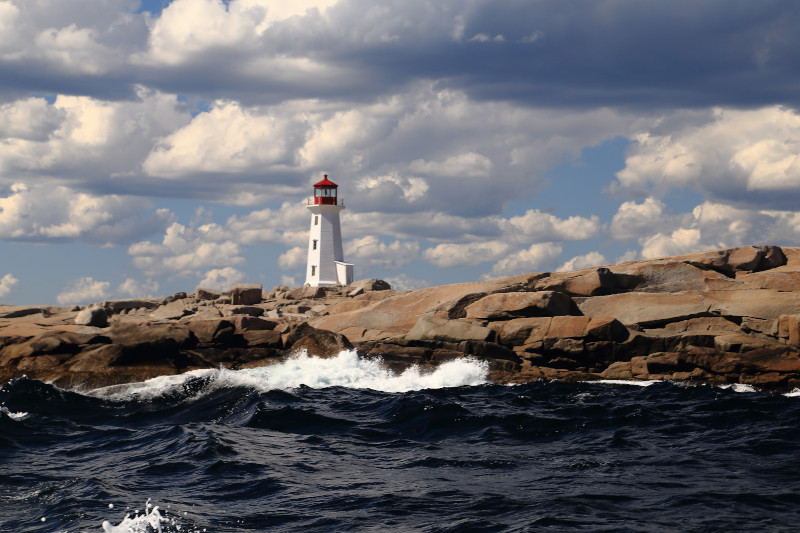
[(326, 264)]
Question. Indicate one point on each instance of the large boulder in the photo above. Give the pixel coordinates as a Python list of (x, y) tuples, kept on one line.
[(92, 316), (173, 311), (369, 285), (245, 293), (207, 294), (116, 306), (145, 343), (763, 304), (215, 331), (306, 292), (731, 260), (591, 282), (646, 309), (522, 304), (431, 328), (318, 342)]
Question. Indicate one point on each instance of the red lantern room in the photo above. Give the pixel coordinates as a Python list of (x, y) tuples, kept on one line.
[(325, 192)]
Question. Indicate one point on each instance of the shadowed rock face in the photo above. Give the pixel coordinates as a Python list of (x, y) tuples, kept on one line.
[(724, 316)]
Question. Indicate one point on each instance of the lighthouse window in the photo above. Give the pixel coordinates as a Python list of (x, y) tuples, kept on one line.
[(314, 247), (313, 270), (316, 220)]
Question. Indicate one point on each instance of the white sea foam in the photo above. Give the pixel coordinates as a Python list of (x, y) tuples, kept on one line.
[(139, 523), (16, 416), (739, 387), (345, 370), (634, 382), (793, 393)]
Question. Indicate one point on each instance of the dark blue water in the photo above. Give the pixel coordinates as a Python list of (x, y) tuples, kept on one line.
[(537, 457)]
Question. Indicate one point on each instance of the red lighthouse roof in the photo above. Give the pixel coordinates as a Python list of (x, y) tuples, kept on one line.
[(325, 183)]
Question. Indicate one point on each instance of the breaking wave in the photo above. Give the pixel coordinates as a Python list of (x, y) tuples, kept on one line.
[(345, 370)]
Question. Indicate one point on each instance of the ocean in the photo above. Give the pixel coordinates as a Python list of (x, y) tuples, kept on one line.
[(341, 444)]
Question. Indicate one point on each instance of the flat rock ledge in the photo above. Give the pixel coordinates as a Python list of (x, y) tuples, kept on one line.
[(718, 317)]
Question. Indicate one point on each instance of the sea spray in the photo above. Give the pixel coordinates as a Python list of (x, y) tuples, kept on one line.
[(345, 370)]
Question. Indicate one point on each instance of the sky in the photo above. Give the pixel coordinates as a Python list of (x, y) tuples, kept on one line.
[(151, 147)]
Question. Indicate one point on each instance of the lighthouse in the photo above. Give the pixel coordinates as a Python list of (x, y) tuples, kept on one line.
[(326, 264)]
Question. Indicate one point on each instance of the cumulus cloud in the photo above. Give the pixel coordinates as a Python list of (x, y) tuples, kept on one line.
[(539, 226), (538, 257), (293, 257), (747, 156), (83, 290), (716, 225), (42, 213), (448, 255), (583, 261), (7, 284), (221, 278), (403, 282), (369, 251), (80, 140), (635, 219), (138, 289), (186, 251), (227, 139)]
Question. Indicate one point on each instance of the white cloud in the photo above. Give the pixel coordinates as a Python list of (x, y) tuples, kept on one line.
[(369, 251), (83, 290), (221, 278), (538, 226), (448, 255), (31, 119), (680, 241), (465, 165), (83, 140), (411, 188), (43, 213), (289, 281), (591, 259), (188, 28), (536, 258), (730, 154), (137, 289), (635, 219), (226, 139), (185, 251), (7, 284), (293, 257), (403, 282)]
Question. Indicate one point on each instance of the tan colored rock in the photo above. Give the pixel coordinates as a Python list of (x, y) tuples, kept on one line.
[(215, 331), (776, 281), (516, 332), (521, 304), (739, 342), (663, 276), (763, 304), (397, 313), (207, 294), (118, 305), (730, 260), (370, 285), (618, 370), (789, 329), (306, 292), (589, 282), (173, 310), (442, 329), (92, 316), (245, 293), (646, 309), (251, 323)]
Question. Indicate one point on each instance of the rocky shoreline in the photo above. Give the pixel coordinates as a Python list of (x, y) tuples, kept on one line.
[(719, 317)]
